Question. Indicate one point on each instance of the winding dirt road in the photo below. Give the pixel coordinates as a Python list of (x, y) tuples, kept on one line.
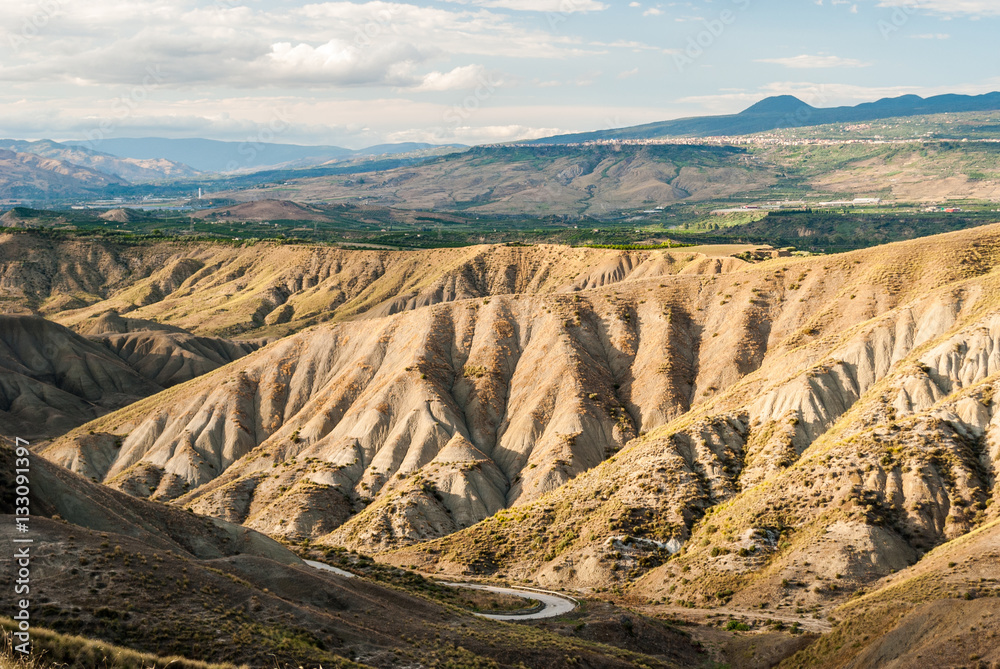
[(553, 604)]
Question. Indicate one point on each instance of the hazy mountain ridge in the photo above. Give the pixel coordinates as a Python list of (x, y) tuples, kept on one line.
[(787, 111), (129, 169), (544, 180), (209, 155), (607, 182), (28, 176)]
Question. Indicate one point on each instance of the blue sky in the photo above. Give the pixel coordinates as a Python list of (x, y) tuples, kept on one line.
[(469, 71)]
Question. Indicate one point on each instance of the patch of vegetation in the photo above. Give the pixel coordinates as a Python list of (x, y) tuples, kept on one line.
[(67, 651), (479, 601)]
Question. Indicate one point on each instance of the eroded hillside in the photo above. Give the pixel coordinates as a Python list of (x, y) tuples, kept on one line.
[(664, 428), (53, 379), (154, 578), (388, 431), (852, 451), (267, 289)]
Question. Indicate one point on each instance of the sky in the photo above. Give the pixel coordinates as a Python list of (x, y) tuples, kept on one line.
[(356, 74)]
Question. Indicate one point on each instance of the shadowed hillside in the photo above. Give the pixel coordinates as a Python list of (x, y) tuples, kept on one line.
[(663, 428), (388, 431), (52, 379), (157, 579)]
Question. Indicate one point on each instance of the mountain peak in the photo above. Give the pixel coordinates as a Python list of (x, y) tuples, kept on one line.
[(779, 104)]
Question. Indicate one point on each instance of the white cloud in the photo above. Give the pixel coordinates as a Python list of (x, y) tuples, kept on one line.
[(461, 78), (628, 74), (554, 6), (326, 44), (490, 134), (807, 62), (633, 46), (947, 7)]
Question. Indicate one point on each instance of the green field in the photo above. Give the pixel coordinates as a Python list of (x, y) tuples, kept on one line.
[(822, 231)]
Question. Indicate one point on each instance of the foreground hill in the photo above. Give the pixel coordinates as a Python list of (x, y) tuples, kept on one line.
[(939, 613), (158, 579)]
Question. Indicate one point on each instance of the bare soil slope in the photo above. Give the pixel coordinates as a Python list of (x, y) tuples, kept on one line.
[(266, 289), (265, 210), (161, 580), (940, 613), (25, 175), (171, 358), (52, 379), (861, 439), (384, 432)]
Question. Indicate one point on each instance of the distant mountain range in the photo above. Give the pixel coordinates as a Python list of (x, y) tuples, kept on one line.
[(133, 170), (47, 170), (31, 176), (209, 155), (43, 170), (787, 111)]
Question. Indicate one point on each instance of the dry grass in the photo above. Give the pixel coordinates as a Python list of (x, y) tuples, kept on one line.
[(51, 650)]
